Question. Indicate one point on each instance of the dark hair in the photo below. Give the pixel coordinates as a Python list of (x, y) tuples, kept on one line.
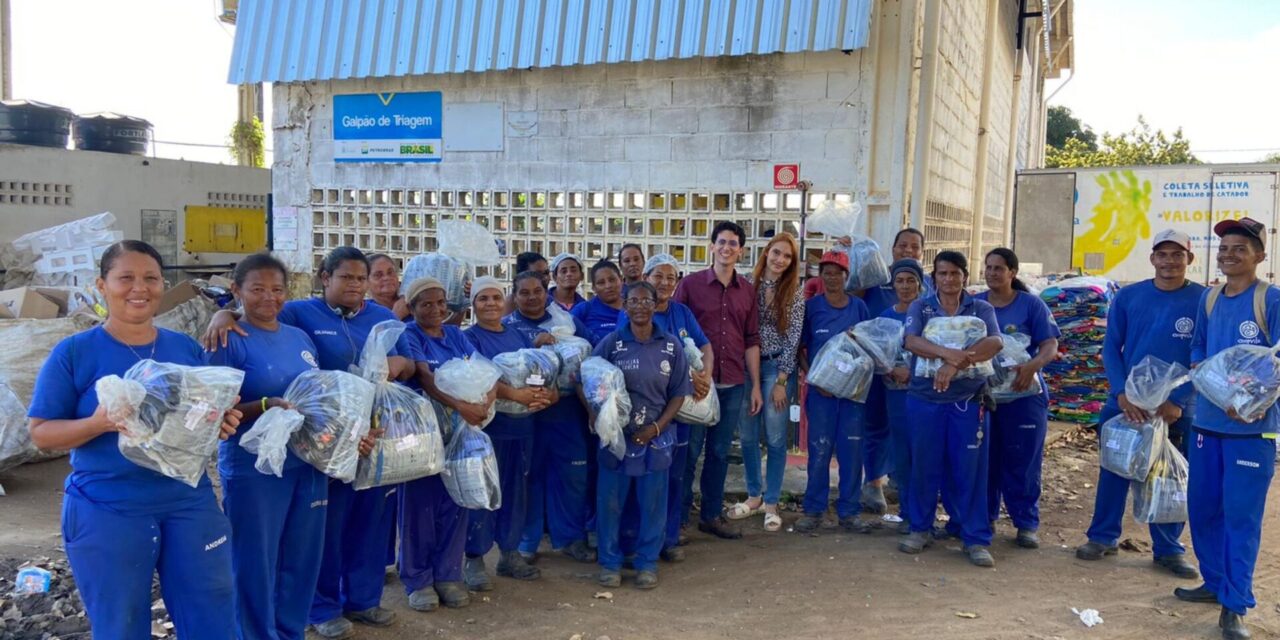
[(1010, 260), (604, 264), (729, 226), (526, 275), (118, 249), (341, 255), (914, 230), (630, 245), (261, 261), (525, 260), (1239, 231), (374, 257), (954, 257), (653, 291)]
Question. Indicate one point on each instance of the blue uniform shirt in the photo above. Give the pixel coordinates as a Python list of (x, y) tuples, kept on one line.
[(339, 340), (569, 408), (822, 321), (436, 351), (1145, 321), (270, 361), (530, 327), (923, 310), (489, 344), (677, 320), (1028, 315), (1231, 324), (65, 390), (656, 372), (600, 318)]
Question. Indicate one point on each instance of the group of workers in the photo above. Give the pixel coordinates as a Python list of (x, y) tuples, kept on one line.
[(305, 551)]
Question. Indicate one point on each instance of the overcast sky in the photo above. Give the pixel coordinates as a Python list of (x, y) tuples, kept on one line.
[(1208, 66)]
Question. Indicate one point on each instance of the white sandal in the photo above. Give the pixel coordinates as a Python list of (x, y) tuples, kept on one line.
[(772, 522), (741, 511)]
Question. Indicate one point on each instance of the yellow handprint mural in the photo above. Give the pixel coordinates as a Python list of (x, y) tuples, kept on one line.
[(1118, 222)]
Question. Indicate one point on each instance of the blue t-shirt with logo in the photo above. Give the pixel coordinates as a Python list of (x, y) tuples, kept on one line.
[(918, 316), (338, 339), (1233, 323), (270, 361), (822, 321), (1146, 321), (677, 320), (656, 372)]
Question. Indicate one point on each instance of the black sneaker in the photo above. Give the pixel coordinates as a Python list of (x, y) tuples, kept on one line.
[(720, 528), (646, 579), (1177, 565), (1200, 594), (1232, 625), (979, 556), (453, 594), (335, 629), (1094, 551), (672, 554), (609, 579), (1027, 539), (914, 542), (808, 523), (513, 565), (477, 579), (578, 550), (375, 617), (855, 525)]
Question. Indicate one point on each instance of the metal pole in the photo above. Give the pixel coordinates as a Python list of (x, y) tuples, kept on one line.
[(6, 53), (804, 186)]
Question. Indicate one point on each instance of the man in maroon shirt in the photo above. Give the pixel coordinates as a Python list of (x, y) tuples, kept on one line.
[(725, 305)]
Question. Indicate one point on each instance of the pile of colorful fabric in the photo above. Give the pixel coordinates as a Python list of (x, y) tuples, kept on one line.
[(1077, 382)]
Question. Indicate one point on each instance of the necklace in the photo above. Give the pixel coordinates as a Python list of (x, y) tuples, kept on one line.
[(155, 341)]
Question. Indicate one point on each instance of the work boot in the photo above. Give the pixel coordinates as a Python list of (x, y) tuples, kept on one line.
[(914, 542), (578, 550), (720, 528), (453, 594), (609, 579), (335, 629), (513, 565), (646, 579), (808, 523), (1232, 625), (873, 499), (1200, 594), (529, 558), (424, 600), (1027, 539), (672, 554), (473, 572), (1095, 551), (854, 525), (374, 617), (904, 527), (1177, 565), (979, 556)]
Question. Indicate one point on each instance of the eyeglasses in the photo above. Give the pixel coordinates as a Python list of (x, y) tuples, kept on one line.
[(641, 303), (732, 244)]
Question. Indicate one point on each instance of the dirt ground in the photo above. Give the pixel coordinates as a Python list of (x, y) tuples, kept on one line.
[(788, 585)]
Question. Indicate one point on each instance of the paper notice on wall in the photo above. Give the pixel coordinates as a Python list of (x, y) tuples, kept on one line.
[(284, 228)]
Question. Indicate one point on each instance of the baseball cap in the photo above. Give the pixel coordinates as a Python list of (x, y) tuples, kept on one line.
[(838, 258), (1249, 226), (1172, 235)]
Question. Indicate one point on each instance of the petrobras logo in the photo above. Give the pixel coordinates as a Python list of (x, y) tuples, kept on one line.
[(1183, 327), (1249, 330), (310, 359)]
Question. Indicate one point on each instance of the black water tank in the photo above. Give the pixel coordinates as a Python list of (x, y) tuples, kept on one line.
[(113, 133), (34, 123)]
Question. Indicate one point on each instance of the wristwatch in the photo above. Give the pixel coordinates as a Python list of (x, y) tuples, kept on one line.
[(781, 381)]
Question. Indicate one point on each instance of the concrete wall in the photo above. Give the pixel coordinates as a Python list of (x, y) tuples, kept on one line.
[(42, 187)]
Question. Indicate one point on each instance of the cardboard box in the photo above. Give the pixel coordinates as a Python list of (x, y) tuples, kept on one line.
[(26, 303), (180, 293), (220, 281), (60, 297)]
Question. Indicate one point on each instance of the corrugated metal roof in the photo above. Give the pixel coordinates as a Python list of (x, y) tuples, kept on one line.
[(296, 40)]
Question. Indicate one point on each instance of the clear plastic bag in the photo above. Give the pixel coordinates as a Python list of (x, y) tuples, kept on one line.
[(471, 470), (525, 368), (468, 242), (269, 439), (454, 274), (881, 338), (469, 380), (867, 267), (172, 413), (1126, 448), (605, 388), (1244, 378), (374, 364), (15, 437), (842, 369), (693, 355), (1015, 352), (902, 360), (560, 323), (572, 351), (1162, 498), (336, 407), (834, 218), (954, 332), (706, 411), (1152, 381)]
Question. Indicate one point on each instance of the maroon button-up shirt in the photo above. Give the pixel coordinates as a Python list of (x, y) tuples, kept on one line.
[(730, 316)]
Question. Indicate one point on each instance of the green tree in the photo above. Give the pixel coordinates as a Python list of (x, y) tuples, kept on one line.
[(1274, 158), (1061, 126), (1139, 146), (247, 144)]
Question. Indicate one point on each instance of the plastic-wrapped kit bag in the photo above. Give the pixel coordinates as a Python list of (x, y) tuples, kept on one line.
[(572, 351), (605, 388), (706, 411), (881, 338), (172, 413), (468, 242), (1014, 352), (1128, 449), (1162, 497), (410, 446), (834, 218), (902, 360), (471, 470), (469, 380), (336, 407), (842, 369), (454, 274), (954, 332), (1245, 378), (867, 267), (560, 323), (268, 439), (526, 368)]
